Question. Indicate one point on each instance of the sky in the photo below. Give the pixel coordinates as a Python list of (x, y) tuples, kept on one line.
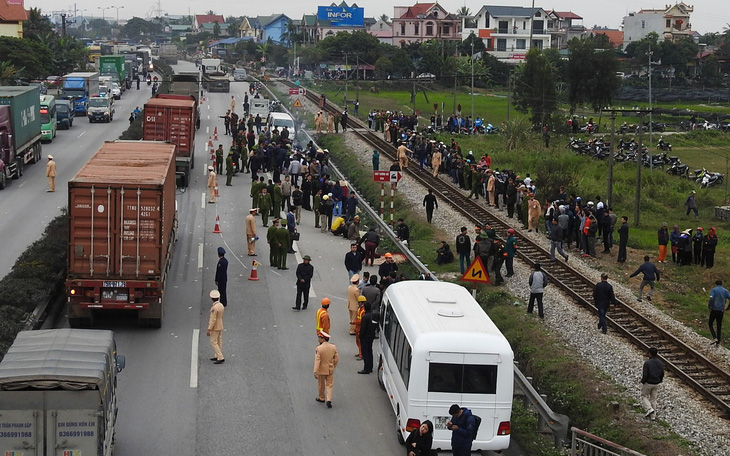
[(708, 15)]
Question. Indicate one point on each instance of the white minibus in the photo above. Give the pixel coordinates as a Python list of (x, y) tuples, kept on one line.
[(438, 348)]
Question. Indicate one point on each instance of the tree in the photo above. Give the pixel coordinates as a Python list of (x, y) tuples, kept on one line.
[(31, 59), (138, 27), (385, 18), (591, 75), (69, 54), (232, 28), (99, 28), (9, 73), (535, 91), (37, 25), (432, 59), (216, 30), (465, 47)]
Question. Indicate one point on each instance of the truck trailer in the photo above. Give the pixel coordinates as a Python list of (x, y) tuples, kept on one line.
[(58, 393), (215, 79), (79, 87), (122, 229), (171, 118), (114, 66), (20, 130)]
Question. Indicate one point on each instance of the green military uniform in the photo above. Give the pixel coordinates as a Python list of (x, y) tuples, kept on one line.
[(276, 198), (466, 174), (315, 208), (273, 249), (282, 240), (255, 192), (250, 123), (337, 123), (476, 182), (229, 168), (265, 207)]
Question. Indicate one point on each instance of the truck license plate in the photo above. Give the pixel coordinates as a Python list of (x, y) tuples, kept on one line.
[(115, 284)]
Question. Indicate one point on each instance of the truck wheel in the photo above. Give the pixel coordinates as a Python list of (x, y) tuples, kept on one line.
[(38, 152), (74, 322), (401, 440), (18, 168), (2, 179)]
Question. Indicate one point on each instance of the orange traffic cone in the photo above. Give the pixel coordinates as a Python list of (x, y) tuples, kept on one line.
[(217, 228), (254, 272), (215, 134)]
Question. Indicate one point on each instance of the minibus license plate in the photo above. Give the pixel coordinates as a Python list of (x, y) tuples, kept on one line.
[(439, 422)]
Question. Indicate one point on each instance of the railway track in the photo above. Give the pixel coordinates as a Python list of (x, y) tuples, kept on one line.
[(690, 366)]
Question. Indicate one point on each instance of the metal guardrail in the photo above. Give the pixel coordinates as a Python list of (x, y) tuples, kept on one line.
[(583, 443), (555, 422)]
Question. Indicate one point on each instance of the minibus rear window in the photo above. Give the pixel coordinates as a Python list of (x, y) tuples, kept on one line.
[(462, 378)]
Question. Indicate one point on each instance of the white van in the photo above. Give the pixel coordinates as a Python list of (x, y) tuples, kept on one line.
[(259, 106), (239, 74), (281, 120)]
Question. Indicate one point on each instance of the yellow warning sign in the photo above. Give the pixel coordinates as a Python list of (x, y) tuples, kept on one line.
[(297, 103), (476, 272)]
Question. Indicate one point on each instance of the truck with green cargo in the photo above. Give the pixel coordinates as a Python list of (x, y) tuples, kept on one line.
[(58, 393), (20, 130), (114, 66)]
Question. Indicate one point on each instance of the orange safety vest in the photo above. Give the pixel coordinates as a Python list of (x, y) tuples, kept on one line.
[(322, 315), (358, 316)]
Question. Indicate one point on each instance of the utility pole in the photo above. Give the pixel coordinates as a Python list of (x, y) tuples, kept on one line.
[(63, 25), (532, 21), (609, 191), (639, 164), (347, 76), (357, 76), (472, 77)]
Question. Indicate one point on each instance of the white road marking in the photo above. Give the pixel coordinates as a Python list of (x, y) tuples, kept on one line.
[(82, 134), (202, 201), (200, 256), (230, 250), (194, 359)]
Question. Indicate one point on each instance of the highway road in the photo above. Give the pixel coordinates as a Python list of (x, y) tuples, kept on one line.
[(26, 207), (173, 400)]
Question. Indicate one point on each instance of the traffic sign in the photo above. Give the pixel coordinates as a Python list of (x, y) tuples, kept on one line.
[(381, 176), (293, 91), (476, 273), (297, 103), (395, 176)]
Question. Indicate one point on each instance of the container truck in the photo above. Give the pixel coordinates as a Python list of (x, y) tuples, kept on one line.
[(122, 228), (114, 66), (187, 84), (215, 79), (171, 118), (20, 130), (58, 393), (79, 87), (168, 53)]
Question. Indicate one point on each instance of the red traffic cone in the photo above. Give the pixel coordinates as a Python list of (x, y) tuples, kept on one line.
[(215, 134), (217, 228), (254, 272)]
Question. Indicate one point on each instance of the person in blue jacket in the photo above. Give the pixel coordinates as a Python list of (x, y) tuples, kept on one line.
[(461, 426)]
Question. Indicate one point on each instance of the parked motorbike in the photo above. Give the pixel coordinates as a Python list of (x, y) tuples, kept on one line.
[(678, 169), (707, 178), (664, 145)]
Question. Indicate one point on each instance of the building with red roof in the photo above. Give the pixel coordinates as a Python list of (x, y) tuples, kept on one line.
[(422, 22), (12, 16)]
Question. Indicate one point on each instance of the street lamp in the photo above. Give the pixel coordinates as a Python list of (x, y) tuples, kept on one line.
[(117, 8), (103, 10)]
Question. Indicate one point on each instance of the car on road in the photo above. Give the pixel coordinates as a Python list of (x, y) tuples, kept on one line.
[(116, 91), (53, 82)]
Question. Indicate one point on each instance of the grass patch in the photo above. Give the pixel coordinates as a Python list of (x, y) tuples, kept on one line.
[(33, 280)]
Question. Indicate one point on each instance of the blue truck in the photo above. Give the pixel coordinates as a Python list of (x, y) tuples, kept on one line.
[(79, 87)]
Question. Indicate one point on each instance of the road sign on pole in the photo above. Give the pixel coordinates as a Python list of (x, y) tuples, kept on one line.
[(381, 176), (395, 176), (476, 272), (293, 91), (297, 103)]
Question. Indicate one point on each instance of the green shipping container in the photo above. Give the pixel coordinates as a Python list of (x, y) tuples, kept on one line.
[(25, 109), (115, 61)]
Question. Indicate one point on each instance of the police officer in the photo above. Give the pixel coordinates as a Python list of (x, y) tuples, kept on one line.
[(325, 362), (215, 328), (273, 251), (212, 178), (323, 317), (221, 275)]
